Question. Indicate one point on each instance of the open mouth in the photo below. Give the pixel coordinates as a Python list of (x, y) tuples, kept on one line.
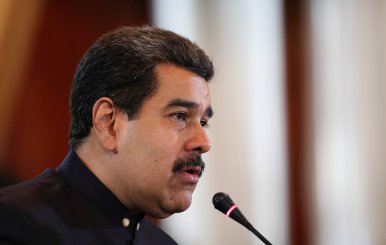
[(194, 170), (190, 175), (191, 169)]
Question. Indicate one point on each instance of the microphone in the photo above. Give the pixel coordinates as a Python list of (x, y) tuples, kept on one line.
[(224, 204)]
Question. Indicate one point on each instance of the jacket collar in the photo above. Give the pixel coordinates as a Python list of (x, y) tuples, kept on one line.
[(81, 178)]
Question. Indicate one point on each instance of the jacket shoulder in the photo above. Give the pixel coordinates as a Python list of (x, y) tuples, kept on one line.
[(31, 191), (16, 228), (20, 202)]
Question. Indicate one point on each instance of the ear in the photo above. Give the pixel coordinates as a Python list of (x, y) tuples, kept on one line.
[(103, 116)]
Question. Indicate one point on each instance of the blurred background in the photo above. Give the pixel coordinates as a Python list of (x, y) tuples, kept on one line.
[(299, 132)]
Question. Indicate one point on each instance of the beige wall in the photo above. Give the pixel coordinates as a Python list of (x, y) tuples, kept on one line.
[(350, 121)]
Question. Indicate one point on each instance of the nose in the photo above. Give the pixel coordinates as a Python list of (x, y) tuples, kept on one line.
[(198, 140)]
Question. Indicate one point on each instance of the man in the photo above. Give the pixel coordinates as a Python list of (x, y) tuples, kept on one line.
[(139, 105)]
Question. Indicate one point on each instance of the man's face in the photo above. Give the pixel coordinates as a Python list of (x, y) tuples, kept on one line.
[(159, 152)]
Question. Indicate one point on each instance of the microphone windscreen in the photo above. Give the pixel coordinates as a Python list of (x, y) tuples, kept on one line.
[(222, 202)]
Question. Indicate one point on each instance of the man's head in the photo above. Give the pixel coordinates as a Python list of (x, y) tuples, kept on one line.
[(139, 105), (121, 65)]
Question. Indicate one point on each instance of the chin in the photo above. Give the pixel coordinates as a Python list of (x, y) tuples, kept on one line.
[(184, 202), (177, 204)]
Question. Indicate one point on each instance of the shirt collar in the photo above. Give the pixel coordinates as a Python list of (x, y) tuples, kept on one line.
[(81, 178)]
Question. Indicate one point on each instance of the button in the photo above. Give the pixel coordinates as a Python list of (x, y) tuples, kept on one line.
[(125, 222), (138, 225)]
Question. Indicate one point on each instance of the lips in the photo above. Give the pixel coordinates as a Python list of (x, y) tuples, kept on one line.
[(190, 175), (189, 170), (194, 170)]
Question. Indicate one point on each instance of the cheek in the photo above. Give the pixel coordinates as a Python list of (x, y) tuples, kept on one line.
[(166, 144), (155, 160), (152, 152), (156, 166)]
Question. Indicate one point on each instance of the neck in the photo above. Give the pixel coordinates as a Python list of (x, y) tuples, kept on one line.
[(101, 163)]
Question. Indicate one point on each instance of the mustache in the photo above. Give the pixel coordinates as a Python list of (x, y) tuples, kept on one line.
[(192, 161)]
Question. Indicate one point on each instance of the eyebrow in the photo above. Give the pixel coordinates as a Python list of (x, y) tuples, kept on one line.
[(190, 105)]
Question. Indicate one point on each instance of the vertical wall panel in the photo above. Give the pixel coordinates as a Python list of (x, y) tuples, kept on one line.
[(299, 124)]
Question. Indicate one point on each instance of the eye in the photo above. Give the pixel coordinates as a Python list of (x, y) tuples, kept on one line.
[(180, 116), (204, 123)]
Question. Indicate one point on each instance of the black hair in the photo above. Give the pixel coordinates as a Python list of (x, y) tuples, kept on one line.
[(121, 65)]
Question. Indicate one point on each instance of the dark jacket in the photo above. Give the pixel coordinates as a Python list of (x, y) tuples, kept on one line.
[(70, 205)]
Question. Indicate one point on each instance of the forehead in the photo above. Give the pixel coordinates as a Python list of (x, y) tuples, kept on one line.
[(178, 83)]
